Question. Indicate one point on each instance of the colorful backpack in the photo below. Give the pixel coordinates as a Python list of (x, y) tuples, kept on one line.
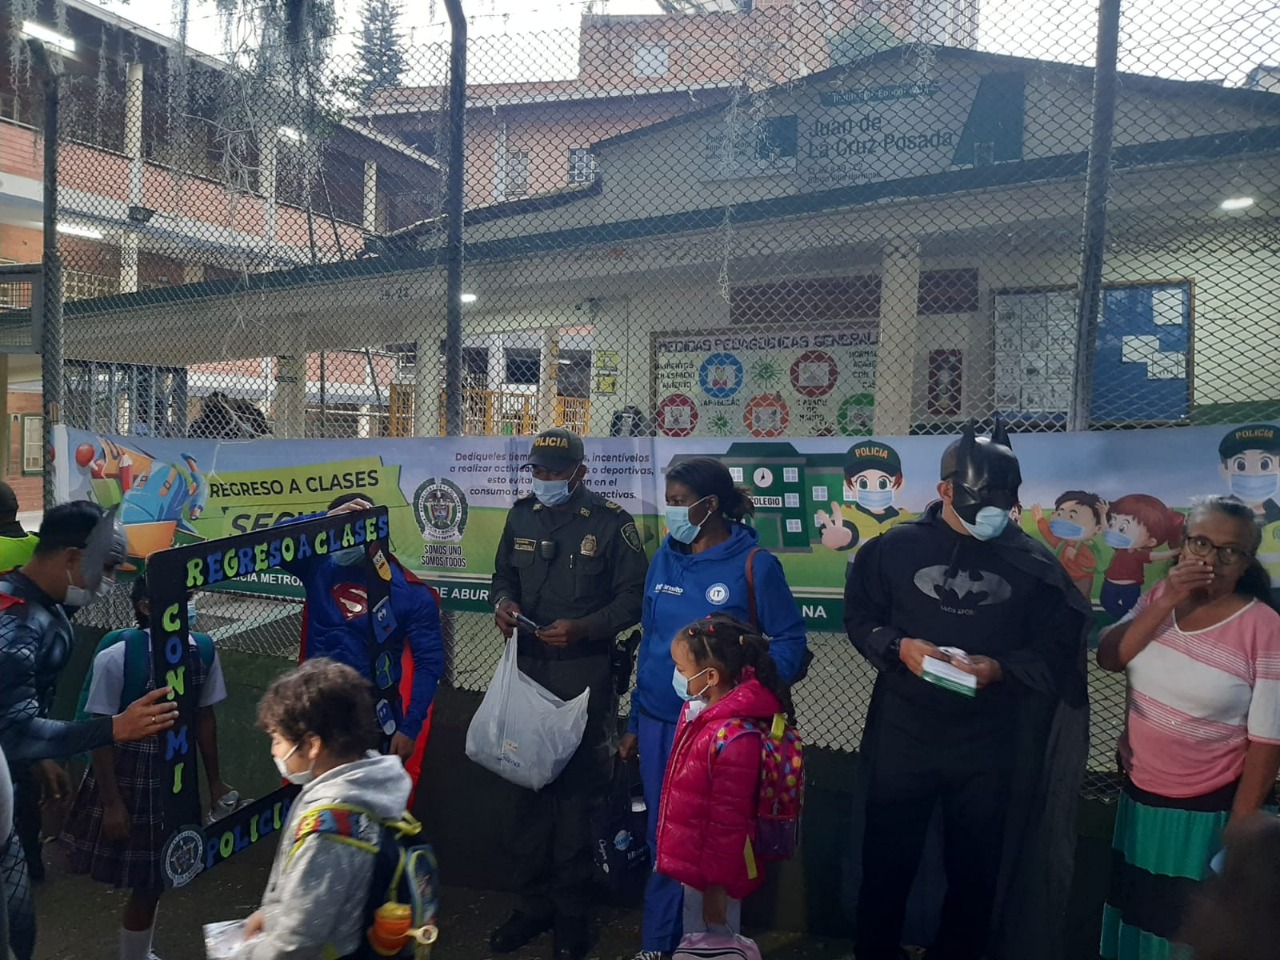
[(781, 797), (403, 900)]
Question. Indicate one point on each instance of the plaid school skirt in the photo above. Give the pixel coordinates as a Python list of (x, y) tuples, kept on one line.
[(133, 863)]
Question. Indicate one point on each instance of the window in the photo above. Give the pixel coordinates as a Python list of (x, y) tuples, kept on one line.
[(32, 444), (514, 176), (764, 147), (582, 165), (573, 378), (475, 368), (948, 291), (524, 366), (651, 60)]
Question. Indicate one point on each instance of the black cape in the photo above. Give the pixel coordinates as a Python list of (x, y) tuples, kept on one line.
[(1028, 920)]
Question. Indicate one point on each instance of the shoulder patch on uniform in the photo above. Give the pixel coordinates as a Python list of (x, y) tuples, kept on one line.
[(615, 507), (338, 823), (631, 536)]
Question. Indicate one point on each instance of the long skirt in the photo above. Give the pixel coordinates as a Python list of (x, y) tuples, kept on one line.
[(1160, 853)]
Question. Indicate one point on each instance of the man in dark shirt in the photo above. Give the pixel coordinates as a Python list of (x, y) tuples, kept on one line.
[(570, 563), (962, 578)]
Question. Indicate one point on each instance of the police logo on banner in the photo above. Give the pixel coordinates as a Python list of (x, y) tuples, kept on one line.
[(441, 510), (717, 594), (182, 857)]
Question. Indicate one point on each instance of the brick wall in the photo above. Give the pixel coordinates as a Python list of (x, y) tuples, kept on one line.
[(27, 488)]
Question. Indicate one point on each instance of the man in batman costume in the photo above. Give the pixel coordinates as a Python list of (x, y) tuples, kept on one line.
[(1001, 768)]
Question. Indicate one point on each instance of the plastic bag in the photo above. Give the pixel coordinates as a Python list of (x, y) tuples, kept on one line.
[(523, 732)]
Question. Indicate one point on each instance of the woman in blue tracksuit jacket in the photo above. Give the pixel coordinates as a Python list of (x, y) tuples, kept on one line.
[(700, 569)]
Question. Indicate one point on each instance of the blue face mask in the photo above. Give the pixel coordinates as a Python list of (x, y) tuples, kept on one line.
[(988, 524), (1117, 540), (1066, 530), (680, 526), (349, 557), (551, 493), (1255, 488), (681, 685), (875, 499)]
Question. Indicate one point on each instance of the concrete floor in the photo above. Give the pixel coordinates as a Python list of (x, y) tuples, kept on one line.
[(79, 919)]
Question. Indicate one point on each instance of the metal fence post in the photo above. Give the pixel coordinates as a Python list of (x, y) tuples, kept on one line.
[(1093, 242), (453, 214), (51, 372)]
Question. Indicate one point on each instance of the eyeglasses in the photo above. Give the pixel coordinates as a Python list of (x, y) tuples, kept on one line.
[(1227, 556)]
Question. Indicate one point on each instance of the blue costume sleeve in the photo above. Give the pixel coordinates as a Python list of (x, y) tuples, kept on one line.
[(780, 618), (24, 734), (420, 614)]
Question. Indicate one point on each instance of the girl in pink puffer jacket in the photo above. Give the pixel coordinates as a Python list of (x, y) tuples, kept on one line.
[(710, 795)]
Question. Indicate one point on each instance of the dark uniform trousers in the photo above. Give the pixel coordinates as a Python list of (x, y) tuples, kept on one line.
[(552, 842)]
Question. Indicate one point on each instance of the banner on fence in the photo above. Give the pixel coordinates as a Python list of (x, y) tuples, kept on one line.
[(1109, 504)]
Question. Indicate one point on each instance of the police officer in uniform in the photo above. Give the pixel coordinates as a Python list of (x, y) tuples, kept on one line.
[(572, 564)]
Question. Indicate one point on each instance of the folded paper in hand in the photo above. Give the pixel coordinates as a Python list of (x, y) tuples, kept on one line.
[(225, 940), (944, 675)]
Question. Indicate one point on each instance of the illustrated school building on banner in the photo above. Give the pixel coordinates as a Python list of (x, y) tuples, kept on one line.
[(886, 247)]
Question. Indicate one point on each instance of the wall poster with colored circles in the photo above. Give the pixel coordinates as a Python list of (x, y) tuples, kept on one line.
[(766, 385)]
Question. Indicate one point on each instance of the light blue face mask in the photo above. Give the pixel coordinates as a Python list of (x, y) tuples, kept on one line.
[(681, 685), (349, 556), (551, 493), (1066, 530), (680, 526), (1253, 487), (1117, 540), (988, 524), (875, 499)]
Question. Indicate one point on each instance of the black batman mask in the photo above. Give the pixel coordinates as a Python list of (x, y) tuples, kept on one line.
[(983, 472)]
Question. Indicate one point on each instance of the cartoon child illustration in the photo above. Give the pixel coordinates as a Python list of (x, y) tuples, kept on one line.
[(1136, 525), (873, 477), (1250, 458), (1077, 518)]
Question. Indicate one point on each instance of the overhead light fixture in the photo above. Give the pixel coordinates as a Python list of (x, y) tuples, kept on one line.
[(140, 214), (34, 31), (1237, 203), (75, 230), (467, 298), (292, 133)]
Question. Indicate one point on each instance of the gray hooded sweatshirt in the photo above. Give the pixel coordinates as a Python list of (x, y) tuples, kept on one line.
[(315, 897)]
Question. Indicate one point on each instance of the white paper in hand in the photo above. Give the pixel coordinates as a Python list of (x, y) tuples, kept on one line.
[(225, 940), (944, 675)]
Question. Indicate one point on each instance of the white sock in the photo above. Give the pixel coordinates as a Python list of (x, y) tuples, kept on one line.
[(135, 944)]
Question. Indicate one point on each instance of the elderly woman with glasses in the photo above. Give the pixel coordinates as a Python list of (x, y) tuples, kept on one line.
[(1201, 745)]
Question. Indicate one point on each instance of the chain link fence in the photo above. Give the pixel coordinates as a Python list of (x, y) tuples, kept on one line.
[(861, 218)]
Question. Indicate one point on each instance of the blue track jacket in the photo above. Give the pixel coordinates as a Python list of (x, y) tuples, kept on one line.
[(683, 587)]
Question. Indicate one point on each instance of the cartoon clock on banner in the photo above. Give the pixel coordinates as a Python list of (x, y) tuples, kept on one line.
[(766, 415), (677, 416)]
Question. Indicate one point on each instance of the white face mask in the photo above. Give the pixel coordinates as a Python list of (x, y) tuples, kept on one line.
[(299, 778), (80, 597)]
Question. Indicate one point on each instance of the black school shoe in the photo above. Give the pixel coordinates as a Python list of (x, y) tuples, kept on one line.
[(571, 939), (519, 929)]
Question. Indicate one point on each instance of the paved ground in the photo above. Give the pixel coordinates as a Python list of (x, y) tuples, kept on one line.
[(79, 919)]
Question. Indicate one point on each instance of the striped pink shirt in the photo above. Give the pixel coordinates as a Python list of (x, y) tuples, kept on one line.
[(1196, 699)]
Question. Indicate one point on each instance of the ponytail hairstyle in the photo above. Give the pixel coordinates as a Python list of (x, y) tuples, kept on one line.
[(731, 646), (1254, 582), (708, 477)]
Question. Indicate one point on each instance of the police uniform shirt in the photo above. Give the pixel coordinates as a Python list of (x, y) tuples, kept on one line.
[(582, 561)]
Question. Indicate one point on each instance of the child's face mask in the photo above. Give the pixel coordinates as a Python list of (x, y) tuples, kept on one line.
[(681, 685), (300, 777)]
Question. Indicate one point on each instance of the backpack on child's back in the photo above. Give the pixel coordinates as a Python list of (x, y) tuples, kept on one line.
[(137, 664), (781, 795)]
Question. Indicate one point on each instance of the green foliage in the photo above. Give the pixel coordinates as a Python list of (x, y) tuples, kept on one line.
[(380, 47)]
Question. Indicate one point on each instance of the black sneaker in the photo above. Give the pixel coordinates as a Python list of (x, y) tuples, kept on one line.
[(572, 940), (519, 930)]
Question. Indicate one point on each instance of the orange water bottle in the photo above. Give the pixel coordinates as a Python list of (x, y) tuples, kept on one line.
[(390, 931)]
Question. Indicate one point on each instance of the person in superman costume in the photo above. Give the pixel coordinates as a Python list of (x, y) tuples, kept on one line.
[(336, 624)]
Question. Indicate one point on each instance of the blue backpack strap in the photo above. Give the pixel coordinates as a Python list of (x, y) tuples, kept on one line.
[(137, 661), (204, 647), (110, 640)]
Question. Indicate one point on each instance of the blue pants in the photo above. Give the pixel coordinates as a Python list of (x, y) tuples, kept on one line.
[(663, 897), (1119, 598)]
